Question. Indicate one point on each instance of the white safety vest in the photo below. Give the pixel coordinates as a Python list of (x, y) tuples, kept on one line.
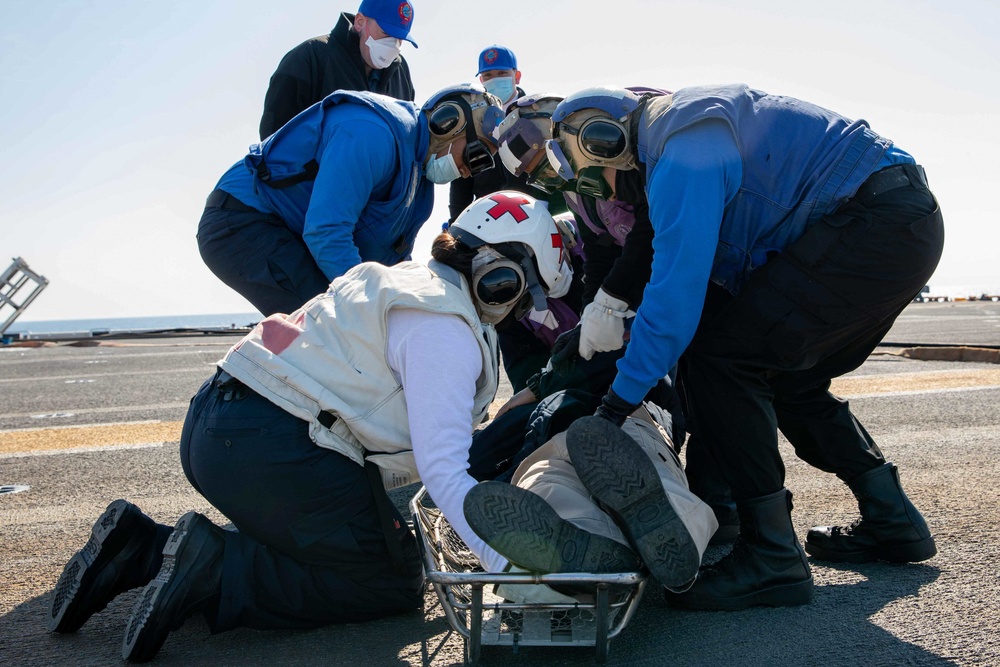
[(330, 355)]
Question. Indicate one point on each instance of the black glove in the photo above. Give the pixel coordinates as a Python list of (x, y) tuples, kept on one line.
[(614, 408), (565, 351)]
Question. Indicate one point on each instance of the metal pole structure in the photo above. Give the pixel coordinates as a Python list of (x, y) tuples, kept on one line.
[(15, 278)]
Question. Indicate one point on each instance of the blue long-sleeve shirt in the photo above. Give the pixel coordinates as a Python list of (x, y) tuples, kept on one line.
[(357, 163), (697, 175)]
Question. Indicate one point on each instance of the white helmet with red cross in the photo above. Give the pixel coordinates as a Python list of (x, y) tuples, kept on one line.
[(520, 230)]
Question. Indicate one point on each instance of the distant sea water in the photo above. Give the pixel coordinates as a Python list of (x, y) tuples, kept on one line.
[(974, 290), (243, 320), (111, 324)]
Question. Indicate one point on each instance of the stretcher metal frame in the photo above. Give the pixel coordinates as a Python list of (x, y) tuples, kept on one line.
[(483, 619)]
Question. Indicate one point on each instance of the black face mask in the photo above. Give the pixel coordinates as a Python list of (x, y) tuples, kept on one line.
[(630, 186), (591, 183), (520, 310), (477, 156)]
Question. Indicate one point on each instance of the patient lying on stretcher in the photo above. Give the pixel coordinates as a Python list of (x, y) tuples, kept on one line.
[(596, 499)]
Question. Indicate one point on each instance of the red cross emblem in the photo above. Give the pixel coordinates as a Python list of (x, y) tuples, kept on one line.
[(508, 204), (557, 242)]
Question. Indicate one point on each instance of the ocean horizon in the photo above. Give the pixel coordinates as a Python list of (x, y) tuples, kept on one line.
[(245, 320), (154, 323)]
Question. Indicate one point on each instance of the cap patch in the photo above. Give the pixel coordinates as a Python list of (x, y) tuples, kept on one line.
[(405, 12)]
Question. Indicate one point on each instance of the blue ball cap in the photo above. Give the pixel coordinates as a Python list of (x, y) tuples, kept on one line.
[(394, 16), (496, 57)]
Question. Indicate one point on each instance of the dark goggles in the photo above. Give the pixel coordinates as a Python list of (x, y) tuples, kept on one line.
[(445, 119), (501, 286), (599, 138), (451, 117), (603, 139), (509, 280)]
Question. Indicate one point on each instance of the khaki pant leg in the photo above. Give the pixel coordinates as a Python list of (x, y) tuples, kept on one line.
[(697, 516), (548, 473)]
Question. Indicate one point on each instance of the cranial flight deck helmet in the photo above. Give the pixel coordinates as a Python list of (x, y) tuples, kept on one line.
[(520, 259), (469, 108), (522, 136), (590, 129)]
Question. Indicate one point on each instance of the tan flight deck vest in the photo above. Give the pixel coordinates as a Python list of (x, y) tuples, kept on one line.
[(330, 355)]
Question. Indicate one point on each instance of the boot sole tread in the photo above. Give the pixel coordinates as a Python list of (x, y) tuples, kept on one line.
[(616, 470), (68, 610), (525, 529), (144, 638)]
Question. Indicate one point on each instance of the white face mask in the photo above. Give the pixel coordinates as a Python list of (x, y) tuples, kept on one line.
[(383, 51), (501, 86), (442, 170)]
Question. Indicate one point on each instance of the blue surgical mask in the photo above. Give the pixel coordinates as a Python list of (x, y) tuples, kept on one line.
[(501, 86), (442, 170)]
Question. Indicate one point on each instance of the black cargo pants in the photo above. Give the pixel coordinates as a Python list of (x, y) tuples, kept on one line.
[(763, 360), (311, 548)]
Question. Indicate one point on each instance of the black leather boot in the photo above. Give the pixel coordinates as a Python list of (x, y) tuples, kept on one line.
[(766, 566), (890, 527), (123, 553), (189, 581)]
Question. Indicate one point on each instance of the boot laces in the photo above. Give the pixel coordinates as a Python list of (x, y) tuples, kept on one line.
[(849, 530), (728, 562)]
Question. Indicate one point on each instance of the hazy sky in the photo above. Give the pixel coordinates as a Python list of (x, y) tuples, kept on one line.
[(118, 116)]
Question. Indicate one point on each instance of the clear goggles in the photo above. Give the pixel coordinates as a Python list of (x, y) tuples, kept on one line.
[(558, 161), (544, 178)]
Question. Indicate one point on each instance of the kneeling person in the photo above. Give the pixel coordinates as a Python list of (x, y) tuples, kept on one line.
[(306, 423)]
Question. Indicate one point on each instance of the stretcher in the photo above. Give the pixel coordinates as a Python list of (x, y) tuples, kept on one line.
[(482, 618)]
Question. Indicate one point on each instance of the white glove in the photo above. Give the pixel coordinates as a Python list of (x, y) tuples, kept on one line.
[(543, 317), (602, 326)]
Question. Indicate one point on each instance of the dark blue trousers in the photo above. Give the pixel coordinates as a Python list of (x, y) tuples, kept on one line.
[(310, 550), (260, 257), (763, 360)]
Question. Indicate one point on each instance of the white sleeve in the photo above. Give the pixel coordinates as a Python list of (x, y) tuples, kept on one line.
[(437, 361)]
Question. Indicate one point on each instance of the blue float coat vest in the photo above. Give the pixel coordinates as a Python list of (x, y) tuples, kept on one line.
[(386, 229), (800, 161)]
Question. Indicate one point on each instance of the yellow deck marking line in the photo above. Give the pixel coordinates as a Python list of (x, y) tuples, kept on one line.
[(77, 437), (131, 434), (923, 382)]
